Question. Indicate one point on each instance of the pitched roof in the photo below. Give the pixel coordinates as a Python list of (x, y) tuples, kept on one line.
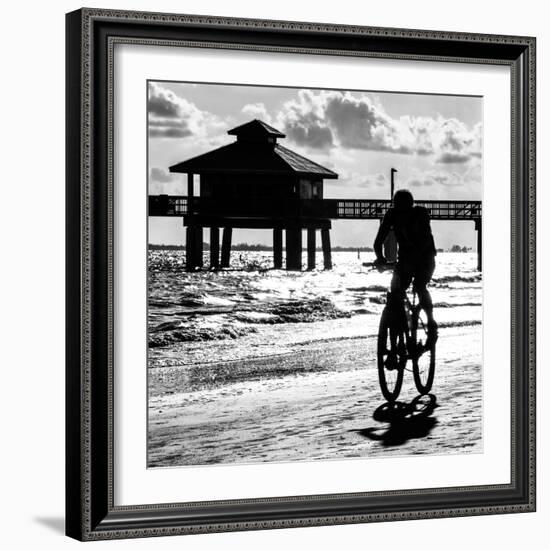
[(255, 127), (253, 157), (302, 164)]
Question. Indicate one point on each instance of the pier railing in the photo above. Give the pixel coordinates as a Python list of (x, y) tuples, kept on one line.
[(375, 209), (168, 205)]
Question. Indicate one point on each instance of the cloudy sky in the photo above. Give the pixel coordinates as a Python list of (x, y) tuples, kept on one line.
[(435, 143)]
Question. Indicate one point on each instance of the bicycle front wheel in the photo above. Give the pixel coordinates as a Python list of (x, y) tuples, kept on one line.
[(423, 359), (392, 357)]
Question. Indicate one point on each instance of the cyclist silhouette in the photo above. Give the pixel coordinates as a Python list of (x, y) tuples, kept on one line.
[(416, 253)]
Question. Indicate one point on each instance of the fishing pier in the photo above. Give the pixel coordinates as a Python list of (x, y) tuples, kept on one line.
[(255, 182)]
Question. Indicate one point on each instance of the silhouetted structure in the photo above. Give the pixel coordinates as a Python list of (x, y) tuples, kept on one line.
[(255, 182)]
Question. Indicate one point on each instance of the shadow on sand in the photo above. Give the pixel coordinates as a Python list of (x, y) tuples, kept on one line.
[(406, 421)]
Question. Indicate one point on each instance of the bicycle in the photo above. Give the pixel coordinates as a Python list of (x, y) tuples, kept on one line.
[(403, 329)]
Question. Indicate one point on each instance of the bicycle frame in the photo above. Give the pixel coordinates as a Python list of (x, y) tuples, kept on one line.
[(400, 323), (409, 305)]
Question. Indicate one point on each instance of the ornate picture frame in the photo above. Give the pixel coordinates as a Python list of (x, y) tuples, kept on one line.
[(91, 512)]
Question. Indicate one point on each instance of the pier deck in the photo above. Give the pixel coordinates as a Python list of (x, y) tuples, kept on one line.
[(348, 209)]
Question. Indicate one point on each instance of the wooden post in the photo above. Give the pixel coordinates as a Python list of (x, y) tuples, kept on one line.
[(190, 248), (294, 249), (327, 254), (190, 237), (226, 246), (311, 248), (479, 244), (215, 247), (277, 248), (199, 235)]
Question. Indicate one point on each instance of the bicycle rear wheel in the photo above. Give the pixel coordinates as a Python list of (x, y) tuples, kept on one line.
[(423, 359), (392, 357)]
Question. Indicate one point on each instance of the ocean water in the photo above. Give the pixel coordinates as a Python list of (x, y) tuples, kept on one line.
[(251, 310)]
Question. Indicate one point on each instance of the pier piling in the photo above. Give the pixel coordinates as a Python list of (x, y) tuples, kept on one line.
[(189, 248), (199, 234), (214, 247), (478, 225), (226, 246), (294, 249), (277, 248), (327, 253), (311, 248)]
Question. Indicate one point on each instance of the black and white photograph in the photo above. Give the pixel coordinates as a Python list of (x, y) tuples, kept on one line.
[(315, 283)]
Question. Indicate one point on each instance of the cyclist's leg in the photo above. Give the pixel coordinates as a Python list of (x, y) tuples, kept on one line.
[(396, 312), (422, 277), (425, 300), (401, 279)]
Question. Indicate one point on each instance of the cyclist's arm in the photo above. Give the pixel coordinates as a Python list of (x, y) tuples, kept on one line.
[(383, 231), (425, 231)]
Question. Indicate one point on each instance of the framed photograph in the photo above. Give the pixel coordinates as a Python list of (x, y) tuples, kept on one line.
[(300, 274)]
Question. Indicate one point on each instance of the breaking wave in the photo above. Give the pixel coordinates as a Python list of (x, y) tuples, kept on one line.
[(167, 337), (228, 305), (446, 279), (293, 311)]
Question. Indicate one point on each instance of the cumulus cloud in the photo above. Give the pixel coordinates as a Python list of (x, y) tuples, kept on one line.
[(160, 175), (314, 135), (171, 116), (256, 110), (359, 124), (430, 178), (374, 180), (304, 121), (457, 143), (418, 182), (163, 103), (161, 181), (327, 119), (357, 179), (453, 158)]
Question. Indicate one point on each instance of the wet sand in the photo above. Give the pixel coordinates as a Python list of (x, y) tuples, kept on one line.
[(320, 401)]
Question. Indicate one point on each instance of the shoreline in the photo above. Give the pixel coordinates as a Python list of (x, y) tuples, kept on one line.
[(278, 340), (319, 402)]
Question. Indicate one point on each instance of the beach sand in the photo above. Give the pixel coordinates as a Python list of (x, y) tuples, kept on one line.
[(321, 400)]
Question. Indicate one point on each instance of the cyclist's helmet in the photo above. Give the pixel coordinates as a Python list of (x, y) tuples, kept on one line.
[(403, 199)]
